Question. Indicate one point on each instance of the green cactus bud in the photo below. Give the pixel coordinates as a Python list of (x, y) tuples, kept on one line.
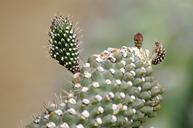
[(63, 43)]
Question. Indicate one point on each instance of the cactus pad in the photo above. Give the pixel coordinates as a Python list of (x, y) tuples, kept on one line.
[(114, 89)]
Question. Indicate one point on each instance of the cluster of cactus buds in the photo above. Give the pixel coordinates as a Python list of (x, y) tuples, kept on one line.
[(113, 89)]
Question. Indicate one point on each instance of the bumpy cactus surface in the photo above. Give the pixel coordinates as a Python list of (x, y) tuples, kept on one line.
[(113, 89)]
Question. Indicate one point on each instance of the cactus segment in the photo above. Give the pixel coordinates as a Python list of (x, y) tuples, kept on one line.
[(63, 43), (114, 89)]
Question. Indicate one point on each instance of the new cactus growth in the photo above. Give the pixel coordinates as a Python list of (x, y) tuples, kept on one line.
[(64, 43), (113, 89)]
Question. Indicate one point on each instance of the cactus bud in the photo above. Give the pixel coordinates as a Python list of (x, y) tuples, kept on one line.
[(63, 43)]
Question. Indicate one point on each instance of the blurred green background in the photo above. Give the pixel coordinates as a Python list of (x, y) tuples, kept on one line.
[(29, 77)]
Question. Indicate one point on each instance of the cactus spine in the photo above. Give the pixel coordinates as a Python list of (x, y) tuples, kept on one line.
[(113, 89)]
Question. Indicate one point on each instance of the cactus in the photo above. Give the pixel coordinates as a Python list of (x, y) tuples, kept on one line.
[(113, 89), (64, 43)]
